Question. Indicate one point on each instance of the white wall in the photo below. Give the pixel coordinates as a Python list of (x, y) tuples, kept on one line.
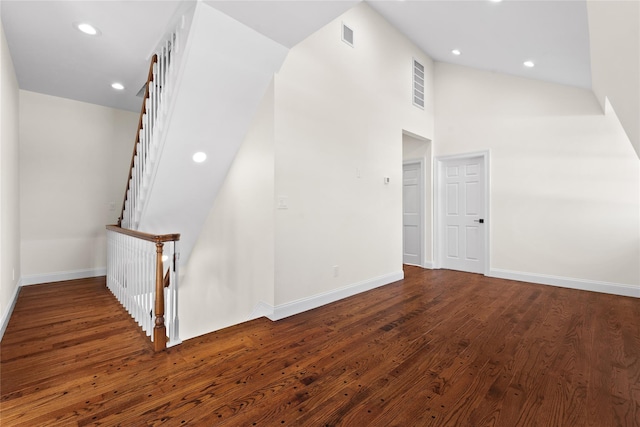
[(74, 162), (9, 184), (614, 41), (418, 149), (565, 181), (340, 113), (231, 268), (224, 72)]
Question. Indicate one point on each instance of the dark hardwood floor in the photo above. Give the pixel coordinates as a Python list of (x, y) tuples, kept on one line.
[(439, 348)]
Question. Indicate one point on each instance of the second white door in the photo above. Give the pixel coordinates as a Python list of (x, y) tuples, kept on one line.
[(412, 193), (462, 214)]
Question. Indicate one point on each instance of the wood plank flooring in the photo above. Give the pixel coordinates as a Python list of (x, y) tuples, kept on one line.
[(440, 348)]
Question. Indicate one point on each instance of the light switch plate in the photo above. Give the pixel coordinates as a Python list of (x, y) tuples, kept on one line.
[(283, 202)]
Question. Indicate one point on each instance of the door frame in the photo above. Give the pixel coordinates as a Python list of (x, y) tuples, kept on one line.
[(438, 221), (420, 162)]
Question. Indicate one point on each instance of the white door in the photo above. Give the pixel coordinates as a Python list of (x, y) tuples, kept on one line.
[(462, 214), (412, 190)]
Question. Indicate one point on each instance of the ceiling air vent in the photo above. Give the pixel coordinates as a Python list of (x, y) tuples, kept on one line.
[(418, 84), (347, 35)]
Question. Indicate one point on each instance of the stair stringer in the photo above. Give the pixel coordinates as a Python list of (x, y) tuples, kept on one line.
[(226, 68)]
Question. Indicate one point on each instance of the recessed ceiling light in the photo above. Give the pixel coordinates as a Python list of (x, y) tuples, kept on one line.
[(456, 52), (117, 86), (495, 1), (199, 157), (87, 28), (529, 64)]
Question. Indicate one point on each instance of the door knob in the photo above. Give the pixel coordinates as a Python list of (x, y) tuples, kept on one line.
[(481, 221)]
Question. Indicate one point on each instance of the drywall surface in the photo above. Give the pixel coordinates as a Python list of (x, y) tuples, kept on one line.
[(614, 36), (225, 70), (417, 149), (74, 162), (9, 182), (231, 268), (339, 116), (565, 182)]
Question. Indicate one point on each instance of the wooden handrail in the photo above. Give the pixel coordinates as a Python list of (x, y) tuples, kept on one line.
[(157, 238), (143, 110)]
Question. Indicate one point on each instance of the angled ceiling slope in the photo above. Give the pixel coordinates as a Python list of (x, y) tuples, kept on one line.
[(286, 22), (52, 57), (500, 36), (614, 28)]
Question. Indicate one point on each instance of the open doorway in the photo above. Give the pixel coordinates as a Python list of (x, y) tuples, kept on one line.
[(417, 201)]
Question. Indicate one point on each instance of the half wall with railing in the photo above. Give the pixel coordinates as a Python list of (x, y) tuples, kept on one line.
[(142, 273)]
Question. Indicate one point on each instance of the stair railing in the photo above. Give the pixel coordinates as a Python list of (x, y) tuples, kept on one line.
[(162, 71), (142, 273)]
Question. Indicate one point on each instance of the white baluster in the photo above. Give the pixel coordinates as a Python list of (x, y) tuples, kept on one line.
[(134, 183), (133, 309), (118, 284), (121, 258), (144, 298), (142, 311), (175, 323), (154, 99), (150, 105), (168, 309), (151, 282), (165, 52), (160, 83), (136, 281), (125, 274)]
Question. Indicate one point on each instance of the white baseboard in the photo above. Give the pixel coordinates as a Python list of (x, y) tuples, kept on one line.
[(304, 304), (7, 314), (34, 279), (567, 282), (262, 309)]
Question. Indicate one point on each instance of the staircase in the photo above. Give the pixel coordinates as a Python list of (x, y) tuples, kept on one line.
[(223, 71), (205, 83)]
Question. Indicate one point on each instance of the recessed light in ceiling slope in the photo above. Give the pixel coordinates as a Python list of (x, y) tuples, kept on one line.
[(199, 157), (456, 52), (529, 64), (117, 86), (87, 28)]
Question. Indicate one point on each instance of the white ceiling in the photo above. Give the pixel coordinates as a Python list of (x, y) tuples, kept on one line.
[(50, 56), (501, 36)]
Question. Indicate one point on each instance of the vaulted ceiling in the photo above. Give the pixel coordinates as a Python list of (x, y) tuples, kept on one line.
[(51, 56)]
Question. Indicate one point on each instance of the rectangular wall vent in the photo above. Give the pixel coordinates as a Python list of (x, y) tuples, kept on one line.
[(347, 35), (418, 84)]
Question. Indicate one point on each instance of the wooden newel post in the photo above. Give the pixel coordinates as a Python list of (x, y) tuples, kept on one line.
[(159, 329)]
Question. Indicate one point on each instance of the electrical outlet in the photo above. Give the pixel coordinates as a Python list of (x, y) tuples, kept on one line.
[(336, 271), (13, 274)]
